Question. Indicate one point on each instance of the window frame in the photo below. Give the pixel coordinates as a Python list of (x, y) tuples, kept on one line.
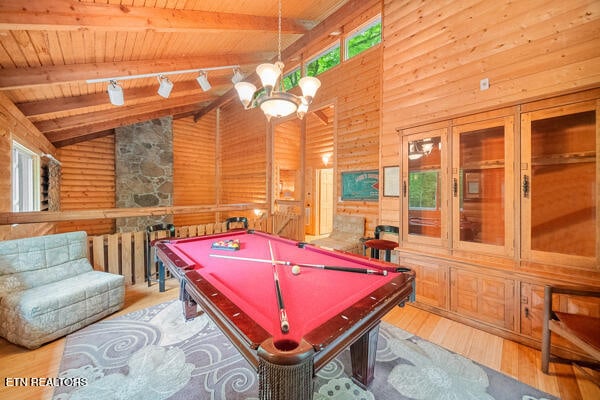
[(326, 50), (360, 30), (30, 176)]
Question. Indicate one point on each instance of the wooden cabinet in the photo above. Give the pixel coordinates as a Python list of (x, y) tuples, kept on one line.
[(521, 183), (485, 298), (495, 205)]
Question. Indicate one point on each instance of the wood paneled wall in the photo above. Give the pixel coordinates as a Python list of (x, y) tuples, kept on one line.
[(436, 52), (88, 183), (243, 155), (320, 127), (354, 87), (287, 159), (14, 126), (195, 167)]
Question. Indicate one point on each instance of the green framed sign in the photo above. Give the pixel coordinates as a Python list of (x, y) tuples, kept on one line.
[(360, 185)]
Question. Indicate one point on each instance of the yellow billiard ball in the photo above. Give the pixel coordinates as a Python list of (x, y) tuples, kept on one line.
[(295, 270)]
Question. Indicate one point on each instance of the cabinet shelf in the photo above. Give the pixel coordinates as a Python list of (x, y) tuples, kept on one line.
[(565, 158), (487, 164)]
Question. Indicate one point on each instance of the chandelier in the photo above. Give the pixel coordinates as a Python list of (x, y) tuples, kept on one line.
[(277, 103)]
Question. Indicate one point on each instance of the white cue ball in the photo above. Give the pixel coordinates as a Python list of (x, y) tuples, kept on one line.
[(295, 270)]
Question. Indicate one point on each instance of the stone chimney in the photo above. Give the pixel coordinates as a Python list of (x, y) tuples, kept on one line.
[(144, 170)]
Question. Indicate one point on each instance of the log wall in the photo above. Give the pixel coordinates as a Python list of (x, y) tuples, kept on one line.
[(243, 155), (88, 183), (287, 160), (354, 88), (436, 52), (194, 167)]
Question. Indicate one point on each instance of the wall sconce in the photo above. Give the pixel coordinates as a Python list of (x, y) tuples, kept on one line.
[(258, 212), (203, 81), (115, 94), (326, 158), (165, 87)]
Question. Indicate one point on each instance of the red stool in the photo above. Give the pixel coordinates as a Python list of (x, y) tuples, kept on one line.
[(378, 244)]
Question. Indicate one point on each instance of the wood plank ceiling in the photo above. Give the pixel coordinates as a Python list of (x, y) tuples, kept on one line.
[(49, 48)]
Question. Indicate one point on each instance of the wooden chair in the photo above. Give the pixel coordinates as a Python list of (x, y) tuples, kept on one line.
[(378, 244), (237, 221), (581, 330)]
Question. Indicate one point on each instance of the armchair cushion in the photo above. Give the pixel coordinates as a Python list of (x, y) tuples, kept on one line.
[(346, 234)]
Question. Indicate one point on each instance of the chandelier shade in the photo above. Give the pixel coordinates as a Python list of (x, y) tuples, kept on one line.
[(278, 104), (309, 86), (245, 92), (269, 75)]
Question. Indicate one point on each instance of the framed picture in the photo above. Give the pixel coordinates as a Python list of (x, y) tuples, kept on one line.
[(472, 185), (360, 185), (391, 181)]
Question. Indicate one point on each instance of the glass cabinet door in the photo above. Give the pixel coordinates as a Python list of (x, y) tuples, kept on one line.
[(482, 192), (560, 185), (424, 188)]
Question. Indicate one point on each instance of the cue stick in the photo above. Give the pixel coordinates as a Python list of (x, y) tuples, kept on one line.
[(285, 325), (320, 266)]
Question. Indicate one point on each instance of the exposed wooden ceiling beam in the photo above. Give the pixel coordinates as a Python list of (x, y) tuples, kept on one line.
[(66, 104), (75, 15), (60, 130), (332, 23), (84, 138), (17, 78)]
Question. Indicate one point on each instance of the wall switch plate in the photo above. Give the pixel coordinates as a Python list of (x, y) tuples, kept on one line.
[(484, 84)]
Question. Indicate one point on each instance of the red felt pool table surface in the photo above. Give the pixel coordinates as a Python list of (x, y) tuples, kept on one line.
[(311, 298)]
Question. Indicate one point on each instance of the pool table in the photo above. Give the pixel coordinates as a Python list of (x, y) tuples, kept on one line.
[(327, 309)]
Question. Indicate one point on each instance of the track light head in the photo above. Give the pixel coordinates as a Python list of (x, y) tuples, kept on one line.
[(165, 87), (203, 81), (115, 94), (237, 76)]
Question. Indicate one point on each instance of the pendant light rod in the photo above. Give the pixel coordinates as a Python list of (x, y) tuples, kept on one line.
[(158, 74)]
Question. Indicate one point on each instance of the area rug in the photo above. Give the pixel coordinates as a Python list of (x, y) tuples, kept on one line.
[(153, 354)]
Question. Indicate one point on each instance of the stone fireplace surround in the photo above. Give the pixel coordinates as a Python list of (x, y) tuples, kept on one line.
[(144, 171)]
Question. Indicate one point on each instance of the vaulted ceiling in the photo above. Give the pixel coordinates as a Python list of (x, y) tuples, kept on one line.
[(50, 48)]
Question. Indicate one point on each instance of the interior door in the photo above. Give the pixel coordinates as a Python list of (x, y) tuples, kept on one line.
[(325, 201)]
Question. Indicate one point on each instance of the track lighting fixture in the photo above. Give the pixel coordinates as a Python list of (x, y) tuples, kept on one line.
[(237, 76), (115, 94), (165, 87), (203, 81)]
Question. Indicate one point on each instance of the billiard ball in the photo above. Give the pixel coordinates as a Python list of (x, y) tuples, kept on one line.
[(295, 270)]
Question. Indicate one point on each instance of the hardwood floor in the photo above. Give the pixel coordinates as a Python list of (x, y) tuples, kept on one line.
[(518, 361)]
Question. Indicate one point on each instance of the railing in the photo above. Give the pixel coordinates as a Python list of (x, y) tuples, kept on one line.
[(127, 253)]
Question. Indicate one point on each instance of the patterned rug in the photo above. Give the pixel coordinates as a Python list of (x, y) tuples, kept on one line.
[(153, 354)]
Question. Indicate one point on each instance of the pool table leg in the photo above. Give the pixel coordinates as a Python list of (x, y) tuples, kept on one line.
[(362, 353), (190, 307)]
